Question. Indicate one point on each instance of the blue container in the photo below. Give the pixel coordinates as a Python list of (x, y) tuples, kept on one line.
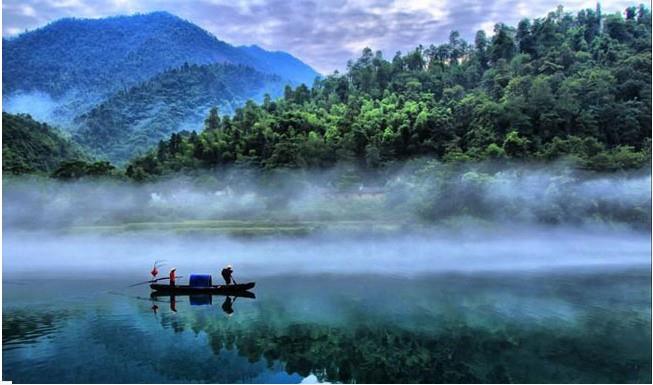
[(200, 280)]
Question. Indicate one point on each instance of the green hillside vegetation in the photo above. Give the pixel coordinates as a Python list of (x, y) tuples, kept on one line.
[(31, 146), (136, 119), (574, 86)]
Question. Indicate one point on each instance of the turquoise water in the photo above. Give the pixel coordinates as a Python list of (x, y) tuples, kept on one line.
[(585, 325)]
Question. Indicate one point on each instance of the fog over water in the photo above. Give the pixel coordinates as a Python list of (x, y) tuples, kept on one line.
[(402, 255), (418, 192), (450, 274), (418, 218)]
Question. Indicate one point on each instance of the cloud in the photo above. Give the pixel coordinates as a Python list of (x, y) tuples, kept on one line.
[(325, 34)]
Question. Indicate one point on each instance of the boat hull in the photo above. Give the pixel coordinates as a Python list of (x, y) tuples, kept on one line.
[(216, 289)]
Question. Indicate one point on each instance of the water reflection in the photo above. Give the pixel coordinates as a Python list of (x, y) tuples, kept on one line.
[(200, 300), (23, 327), (227, 306), (581, 327)]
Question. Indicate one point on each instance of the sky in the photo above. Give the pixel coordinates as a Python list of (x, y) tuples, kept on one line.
[(324, 34)]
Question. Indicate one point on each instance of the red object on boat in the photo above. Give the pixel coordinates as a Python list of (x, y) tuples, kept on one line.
[(154, 271)]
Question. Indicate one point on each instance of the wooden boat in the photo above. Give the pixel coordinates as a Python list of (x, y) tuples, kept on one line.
[(215, 289)]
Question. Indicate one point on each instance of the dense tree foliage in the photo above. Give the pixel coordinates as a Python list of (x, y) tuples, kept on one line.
[(75, 169), (559, 86), (136, 119), (30, 146)]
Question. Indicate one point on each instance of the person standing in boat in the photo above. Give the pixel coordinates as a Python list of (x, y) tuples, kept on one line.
[(226, 274), (173, 276)]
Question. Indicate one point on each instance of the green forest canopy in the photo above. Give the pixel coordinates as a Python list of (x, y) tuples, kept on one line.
[(563, 85), (29, 146)]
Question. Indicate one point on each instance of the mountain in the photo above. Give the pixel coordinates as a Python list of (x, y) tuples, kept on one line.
[(31, 146), (137, 118), (567, 86), (73, 64), (282, 64)]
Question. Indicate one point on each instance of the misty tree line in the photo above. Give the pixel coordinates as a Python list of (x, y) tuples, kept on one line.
[(574, 86), (407, 197)]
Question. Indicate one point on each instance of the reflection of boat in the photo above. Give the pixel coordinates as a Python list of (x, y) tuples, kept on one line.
[(201, 299), (235, 289), (194, 295)]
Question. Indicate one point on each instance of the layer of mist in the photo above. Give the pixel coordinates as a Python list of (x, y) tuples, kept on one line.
[(417, 218), (40, 106), (421, 194), (44, 254)]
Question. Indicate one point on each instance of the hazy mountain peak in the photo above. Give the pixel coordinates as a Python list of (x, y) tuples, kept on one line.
[(100, 56)]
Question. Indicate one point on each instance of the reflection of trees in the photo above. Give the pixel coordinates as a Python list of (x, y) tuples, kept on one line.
[(361, 354), (25, 326), (384, 331), (456, 354)]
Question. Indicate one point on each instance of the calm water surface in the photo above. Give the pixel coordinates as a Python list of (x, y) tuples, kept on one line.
[(551, 326)]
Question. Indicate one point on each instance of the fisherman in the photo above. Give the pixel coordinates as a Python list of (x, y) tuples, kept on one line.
[(226, 274), (173, 276)]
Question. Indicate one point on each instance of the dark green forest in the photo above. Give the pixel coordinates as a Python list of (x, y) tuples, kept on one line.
[(135, 119), (29, 146), (562, 86)]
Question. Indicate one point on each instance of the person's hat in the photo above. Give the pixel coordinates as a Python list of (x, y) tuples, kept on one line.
[(229, 267), (173, 269)]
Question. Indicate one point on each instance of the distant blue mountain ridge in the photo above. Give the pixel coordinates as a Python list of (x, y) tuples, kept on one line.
[(71, 72), (282, 64), (104, 55)]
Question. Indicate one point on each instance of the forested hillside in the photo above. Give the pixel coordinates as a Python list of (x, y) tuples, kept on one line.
[(136, 119), (80, 62), (576, 86), (31, 146)]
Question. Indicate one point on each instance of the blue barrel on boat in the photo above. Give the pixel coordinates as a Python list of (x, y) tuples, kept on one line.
[(200, 280)]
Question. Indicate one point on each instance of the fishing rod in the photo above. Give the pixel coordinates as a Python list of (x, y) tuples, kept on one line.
[(152, 281)]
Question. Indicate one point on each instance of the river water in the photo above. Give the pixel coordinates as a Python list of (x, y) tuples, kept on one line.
[(538, 306)]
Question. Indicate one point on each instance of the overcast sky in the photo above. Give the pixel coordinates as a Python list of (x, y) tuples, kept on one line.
[(324, 34)]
